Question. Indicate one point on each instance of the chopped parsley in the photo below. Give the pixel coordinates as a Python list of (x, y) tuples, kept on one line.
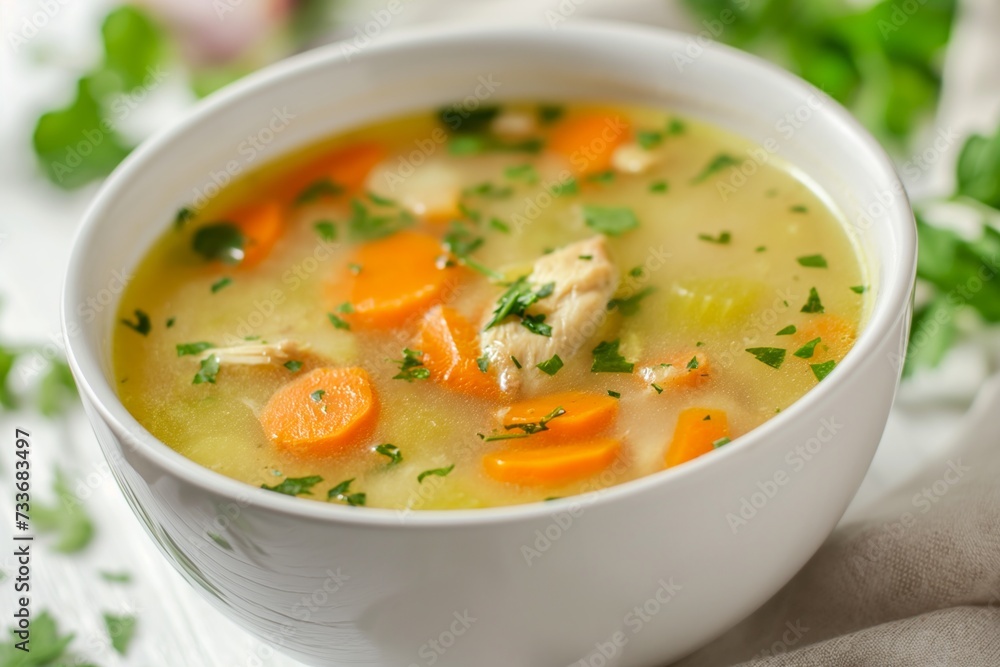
[(295, 486), (859, 289), (184, 215), (542, 424), (787, 331), (611, 220), (220, 283), (607, 176), (813, 303), (807, 350), (585, 258), (772, 356), (813, 261), (568, 187), (607, 359), (760, 248), (116, 577), (293, 365), (222, 241), (392, 451), (208, 370), (636, 271), (549, 113), (799, 209), (551, 366), (341, 493), (66, 519), (483, 363), (722, 239), (659, 187), (823, 369), (522, 172), (536, 324), (721, 442), (658, 388), (437, 472), (499, 225), (517, 364), (614, 394), (355, 269), (364, 226), (184, 349), (693, 364), (492, 437), (488, 189), (317, 396), (323, 187), (339, 322), (718, 163), (461, 243), (121, 631), (410, 366), (630, 305), (648, 139), (326, 230), (141, 325), (517, 299), (170, 321), (380, 200)]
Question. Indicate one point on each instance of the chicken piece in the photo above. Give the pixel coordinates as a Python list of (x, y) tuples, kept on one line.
[(584, 279), (256, 354)]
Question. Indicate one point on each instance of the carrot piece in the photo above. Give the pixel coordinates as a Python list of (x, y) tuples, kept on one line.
[(836, 336), (685, 370), (326, 411), (589, 141), (399, 278), (261, 225), (696, 431), (551, 465), (346, 167), (585, 416), (451, 346)]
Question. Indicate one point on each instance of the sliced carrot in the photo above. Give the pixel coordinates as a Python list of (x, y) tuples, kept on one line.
[(695, 434), (324, 412), (585, 415), (685, 370), (399, 277), (261, 225), (588, 141), (552, 465), (346, 168), (451, 346), (836, 336)]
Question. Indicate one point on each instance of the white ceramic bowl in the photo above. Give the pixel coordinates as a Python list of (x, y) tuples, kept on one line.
[(632, 576)]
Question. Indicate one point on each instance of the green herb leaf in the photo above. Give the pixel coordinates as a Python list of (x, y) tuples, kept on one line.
[(551, 366), (823, 369), (536, 324), (772, 356), (488, 190), (221, 241), (718, 163), (549, 113), (499, 225), (184, 349), (630, 305), (410, 366), (518, 297), (183, 216), (142, 325), (787, 331), (327, 230), (721, 442), (116, 577), (295, 486), (807, 350), (611, 220), (220, 283), (437, 472), (293, 365), (658, 388), (813, 303), (392, 451), (568, 187), (693, 364), (338, 322), (317, 396), (483, 363), (364, 226), (659, 187), (517, 364), (208, 370), (722, 239), (341, 493), (56, 390), (859, 289), (813, 261), (614, 394), (523, 172), (121, 630), (607, 359), (648, 139), (323, 187), (66, 519)]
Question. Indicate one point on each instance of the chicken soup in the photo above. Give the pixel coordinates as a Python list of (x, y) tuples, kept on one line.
[(473, 308)]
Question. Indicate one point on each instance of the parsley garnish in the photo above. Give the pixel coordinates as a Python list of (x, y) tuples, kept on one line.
[(823, 369), (772, 356), (648, 139), (721, 442), (499, 225), (608, 360), (551, 366), (339, 322), (340, 493), (659, 187), (722, 239), (184, 214), (516, 301), (611, 220), (295, 486), (170, 321), (718, 163), (630, 305), (530, 428), (293, 365), (517, 364), (614, 394), (787, 331), (392, 451), (220, 283), (523, 172), (222, 241), (567, 187), (488, 189), (859, 289), (483, 363), (461, 243), (813, 304), (549, 113), (607, 176), (410, 366), (208, 370), (116, 577), (326, 230), (438, 472), (799, 209), (317, 396), (184, 349), (323, 187), (693, 364), (807, 350), (536, 324), (813, 261), (658, 388), (141, 325), (363, 226), (66, 518)]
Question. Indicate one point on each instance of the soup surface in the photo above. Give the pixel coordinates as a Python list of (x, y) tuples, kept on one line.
[(472, 308)]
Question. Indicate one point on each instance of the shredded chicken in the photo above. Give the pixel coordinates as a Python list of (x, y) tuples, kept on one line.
[(257, 354), (584, 279)]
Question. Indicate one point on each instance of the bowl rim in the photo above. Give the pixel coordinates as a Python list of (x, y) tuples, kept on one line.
[(895, 288)]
